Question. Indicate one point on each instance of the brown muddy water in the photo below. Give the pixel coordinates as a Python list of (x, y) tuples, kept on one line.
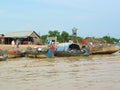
[(99, 72)]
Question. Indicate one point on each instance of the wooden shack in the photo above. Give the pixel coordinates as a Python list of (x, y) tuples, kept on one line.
[(25, 37)]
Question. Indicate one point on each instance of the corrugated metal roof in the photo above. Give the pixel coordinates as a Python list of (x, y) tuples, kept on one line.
[(19, 34), (63, 46)]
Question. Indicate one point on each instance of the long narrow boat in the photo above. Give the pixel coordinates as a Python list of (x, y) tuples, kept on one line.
[(70, 49), (35, 52), (105, 49), (15, 53)]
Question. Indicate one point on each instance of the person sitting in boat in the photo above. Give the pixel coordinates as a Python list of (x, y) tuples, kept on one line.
[(87, 51), (91, 46), (85, 47), (2, 56), (84, 44)]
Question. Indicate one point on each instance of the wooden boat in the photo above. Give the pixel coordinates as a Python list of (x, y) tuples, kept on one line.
[(70, 49), (35, 52), (15, 53), (105, 49)]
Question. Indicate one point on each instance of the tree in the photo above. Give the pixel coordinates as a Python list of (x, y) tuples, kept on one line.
[(60, 39), (44, 38), (65, 36), (108, 39), (79, 39), (54, 33)]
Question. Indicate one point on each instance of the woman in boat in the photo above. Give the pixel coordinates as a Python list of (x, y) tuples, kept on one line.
[(51, 49)]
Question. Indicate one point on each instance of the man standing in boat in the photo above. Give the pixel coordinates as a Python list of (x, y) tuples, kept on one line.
[(13, 44), (17, 43)]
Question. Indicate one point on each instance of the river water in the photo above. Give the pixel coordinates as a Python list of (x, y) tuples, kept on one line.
[(97, 72)]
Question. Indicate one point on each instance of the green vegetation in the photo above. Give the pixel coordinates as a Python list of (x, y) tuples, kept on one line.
[(110, 39), (65, 37)]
